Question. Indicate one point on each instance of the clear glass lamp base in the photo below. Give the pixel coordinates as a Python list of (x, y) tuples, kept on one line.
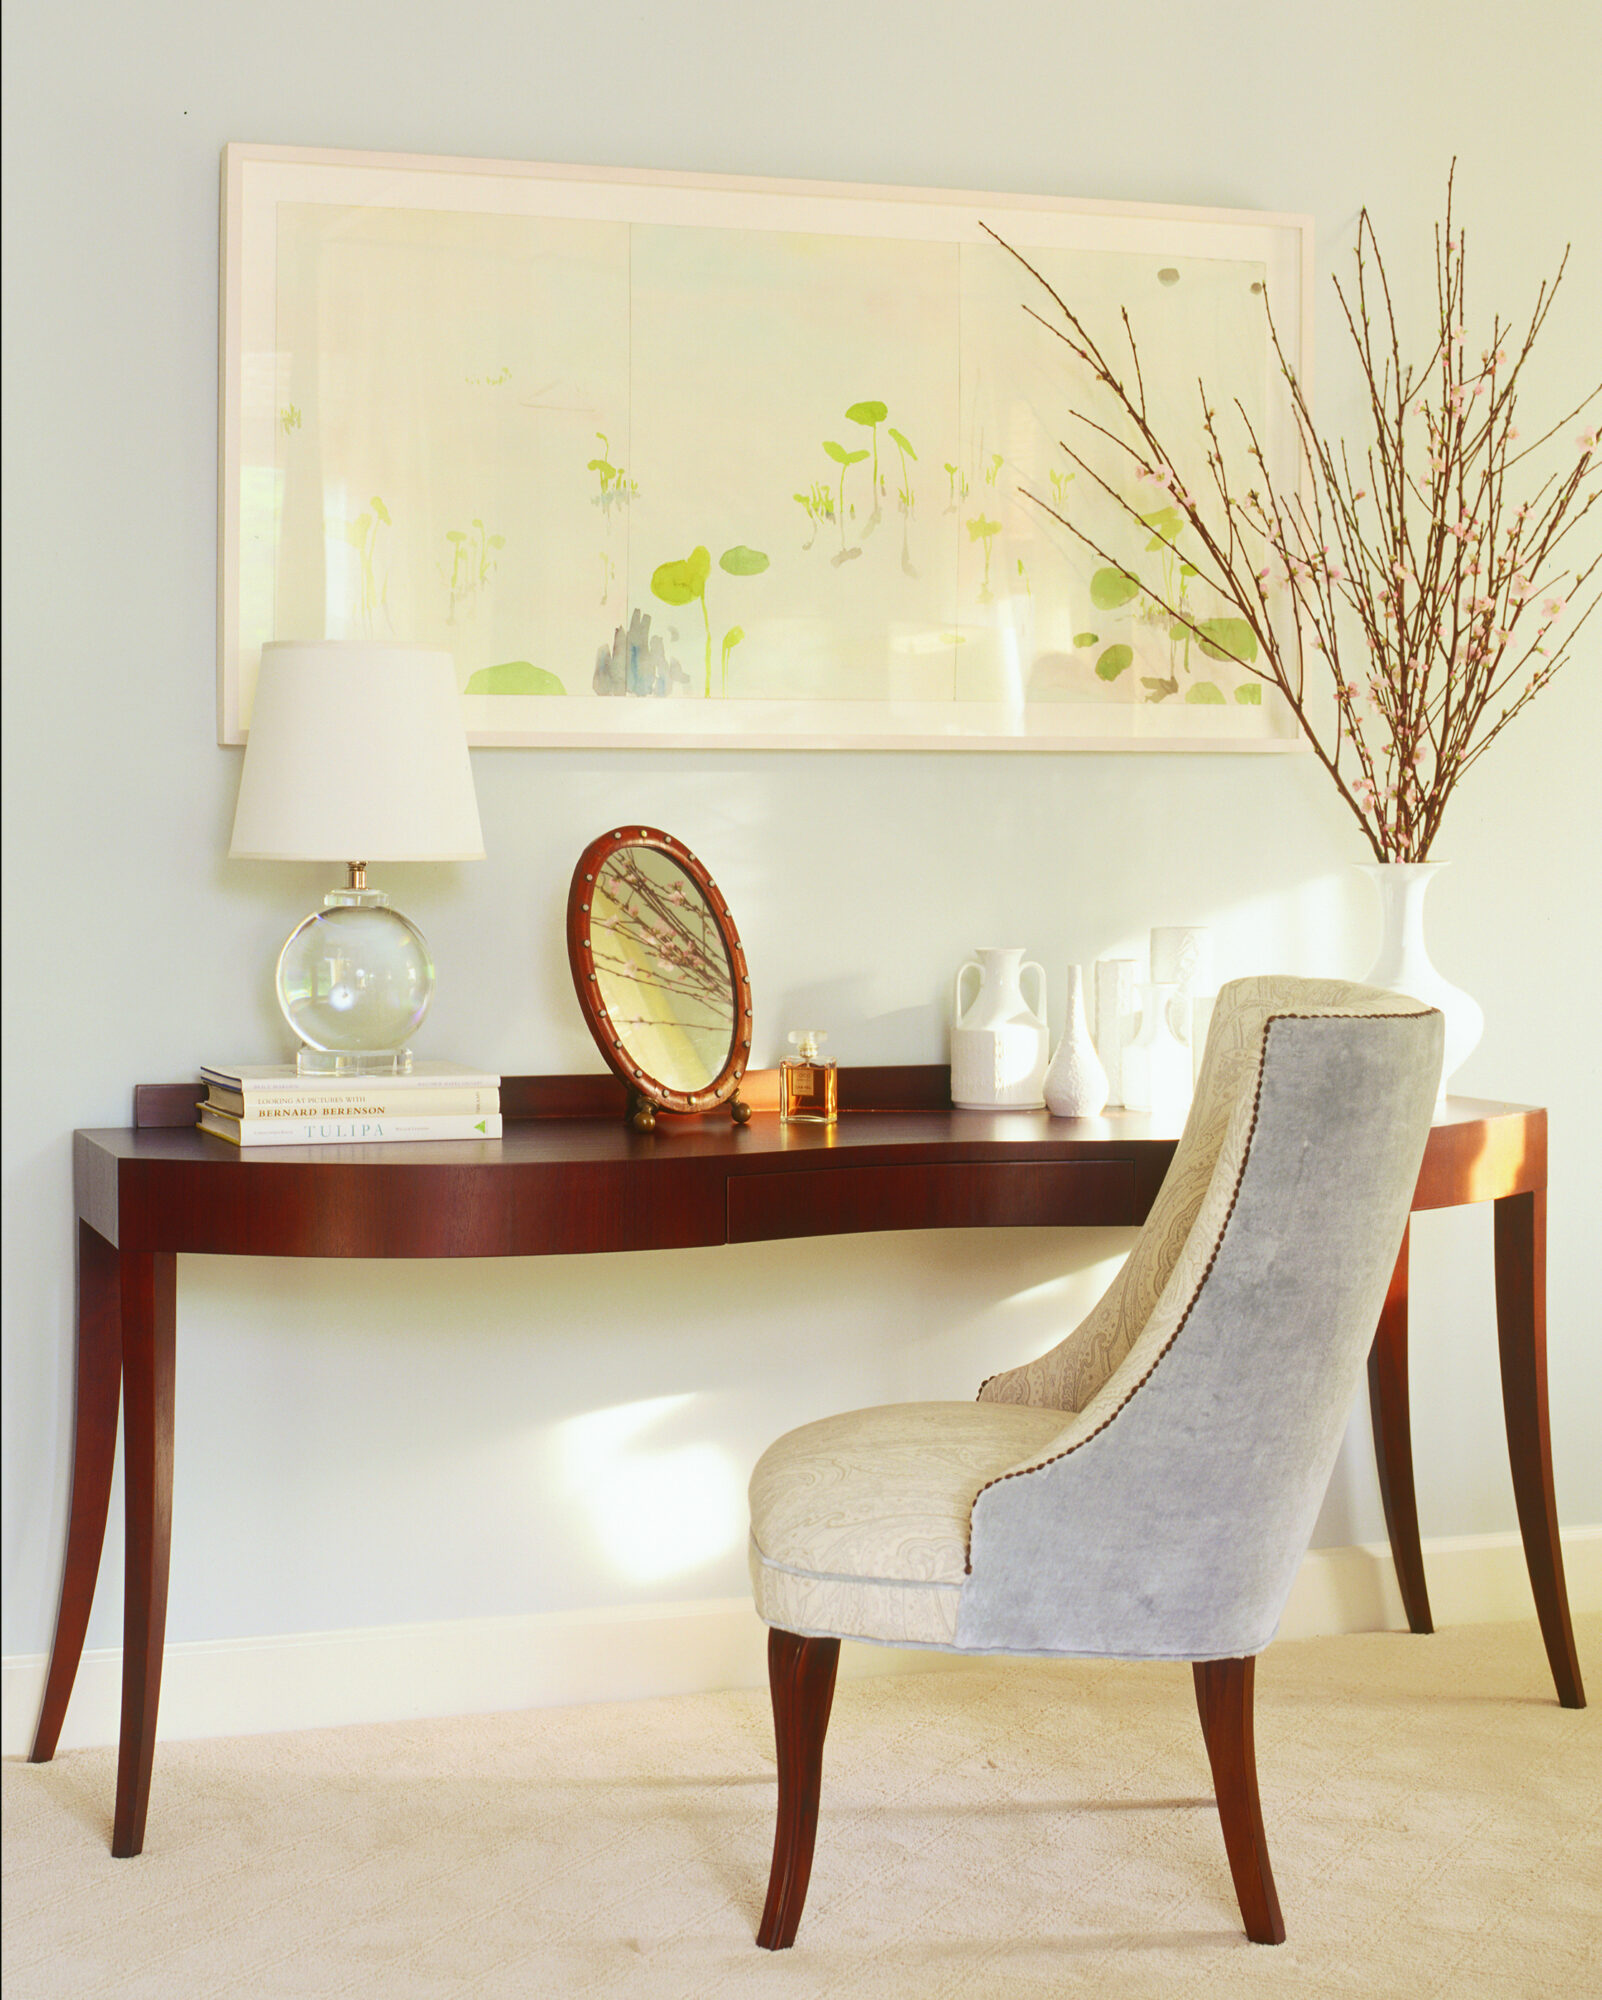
[(352, 1062), (354, 982)]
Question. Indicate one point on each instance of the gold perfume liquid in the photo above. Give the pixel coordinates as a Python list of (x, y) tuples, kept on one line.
[(809, 1087)]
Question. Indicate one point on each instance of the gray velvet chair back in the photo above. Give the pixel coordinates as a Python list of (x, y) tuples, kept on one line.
[(1205, 1404)]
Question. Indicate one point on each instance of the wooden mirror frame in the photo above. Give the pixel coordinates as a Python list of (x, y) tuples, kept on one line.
[(647, 1095)]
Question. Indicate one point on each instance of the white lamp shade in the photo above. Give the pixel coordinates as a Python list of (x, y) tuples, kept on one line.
[(356, 753)]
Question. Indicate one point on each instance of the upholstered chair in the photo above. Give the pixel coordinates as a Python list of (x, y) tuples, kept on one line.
[(1147, 1488)]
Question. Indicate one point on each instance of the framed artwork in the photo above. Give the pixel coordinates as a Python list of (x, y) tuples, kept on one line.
[(687, 461)]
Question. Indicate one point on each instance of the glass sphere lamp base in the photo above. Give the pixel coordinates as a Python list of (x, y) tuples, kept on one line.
[(355, 980)]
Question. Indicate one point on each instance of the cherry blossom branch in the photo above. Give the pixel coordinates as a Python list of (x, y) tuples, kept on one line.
[(1437, 604)]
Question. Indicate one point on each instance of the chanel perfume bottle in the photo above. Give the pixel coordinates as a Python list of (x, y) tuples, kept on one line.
[(809, 1087)]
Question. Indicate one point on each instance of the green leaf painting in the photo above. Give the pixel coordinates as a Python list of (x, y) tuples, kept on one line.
[(514, 677), (845, 460), (870, 416), (685, 581), (639, 424), (903, 444), (1227, 639), (1250, 694), (981, 529), (1165, 526), (731, 639), (1109, 588)]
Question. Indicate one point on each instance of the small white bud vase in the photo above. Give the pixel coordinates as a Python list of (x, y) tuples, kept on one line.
[(1115, 1018), (1076, 1083), (1403, 965), (999, 1043)]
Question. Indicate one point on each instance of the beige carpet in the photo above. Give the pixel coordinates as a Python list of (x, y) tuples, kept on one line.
[(1435, 1822)]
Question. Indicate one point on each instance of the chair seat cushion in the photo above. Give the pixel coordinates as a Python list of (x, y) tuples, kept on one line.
[(859, 1523)]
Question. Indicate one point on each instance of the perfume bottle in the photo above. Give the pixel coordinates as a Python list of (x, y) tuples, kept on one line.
[(809, 1087)]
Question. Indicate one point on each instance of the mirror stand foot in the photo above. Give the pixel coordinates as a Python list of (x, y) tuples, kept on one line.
[(740, 1111), (641, 1113)]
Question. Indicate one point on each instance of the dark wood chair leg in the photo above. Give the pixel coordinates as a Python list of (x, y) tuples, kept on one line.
[(1201, 1703), (1393, 1445), (1521, 1334), (94, 1448), (148, 1355), (801, 1680), (1224, 1696)]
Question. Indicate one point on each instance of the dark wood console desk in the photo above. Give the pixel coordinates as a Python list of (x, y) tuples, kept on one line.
[(569, 1176)]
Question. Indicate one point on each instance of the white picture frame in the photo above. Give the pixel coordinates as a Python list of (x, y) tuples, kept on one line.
[(406, 340)]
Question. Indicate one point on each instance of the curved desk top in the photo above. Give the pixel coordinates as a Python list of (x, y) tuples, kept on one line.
[(570, 1176)]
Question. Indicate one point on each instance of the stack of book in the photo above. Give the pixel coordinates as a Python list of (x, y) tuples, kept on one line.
[(270, 1104)]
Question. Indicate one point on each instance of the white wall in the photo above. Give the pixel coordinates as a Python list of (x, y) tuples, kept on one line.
[(363, 1444)]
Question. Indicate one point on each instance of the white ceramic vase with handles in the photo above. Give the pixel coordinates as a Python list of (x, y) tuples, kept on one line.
[(999, 1043)]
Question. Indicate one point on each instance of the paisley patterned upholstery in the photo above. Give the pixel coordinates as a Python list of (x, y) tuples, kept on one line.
[(1148, 1486), (860, 1522)]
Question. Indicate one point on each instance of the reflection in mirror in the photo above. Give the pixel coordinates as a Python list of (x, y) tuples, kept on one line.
[(660, 975), (663, 973)]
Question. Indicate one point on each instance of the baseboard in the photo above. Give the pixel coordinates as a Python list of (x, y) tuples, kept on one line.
[(317, 1679)]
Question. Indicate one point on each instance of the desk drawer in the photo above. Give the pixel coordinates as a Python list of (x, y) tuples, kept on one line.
[(835, 1201)]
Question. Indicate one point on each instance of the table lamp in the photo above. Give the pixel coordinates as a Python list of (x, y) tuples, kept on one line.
[(355, 749)]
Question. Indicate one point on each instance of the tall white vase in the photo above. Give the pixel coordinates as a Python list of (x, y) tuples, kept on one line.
[(1115, 1016), (1158, 1073), (1403, 965)]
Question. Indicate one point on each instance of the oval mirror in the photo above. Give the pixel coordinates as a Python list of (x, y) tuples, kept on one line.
[(660, 974)]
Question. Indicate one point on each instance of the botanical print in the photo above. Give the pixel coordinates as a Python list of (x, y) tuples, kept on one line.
[(659, 481), (461, 388), (1043, 621), (751, 354)]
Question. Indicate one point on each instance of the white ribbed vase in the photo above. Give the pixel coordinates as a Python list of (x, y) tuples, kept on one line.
[(1403, 965)]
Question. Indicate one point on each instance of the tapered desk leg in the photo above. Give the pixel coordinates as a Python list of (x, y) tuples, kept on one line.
[(148, 1352), (1521, 1335), (1393, 1444), (94, 1448)]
